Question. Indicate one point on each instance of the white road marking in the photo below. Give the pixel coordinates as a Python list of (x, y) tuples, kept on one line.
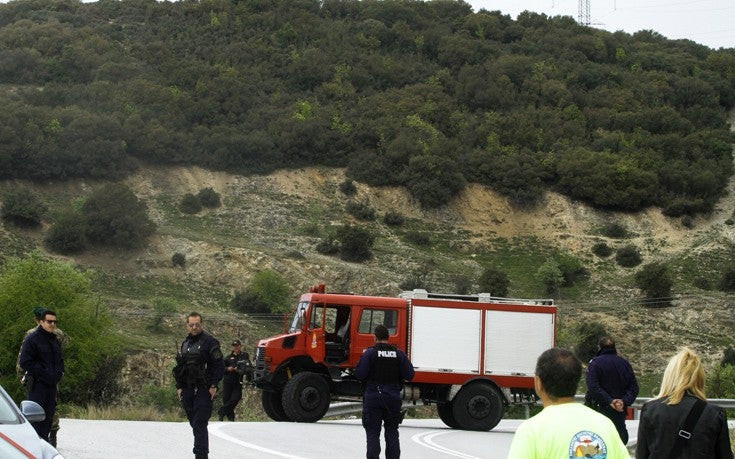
[(426, 439), (215, 430)]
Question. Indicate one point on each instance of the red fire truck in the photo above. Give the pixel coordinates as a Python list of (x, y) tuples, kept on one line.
[(473, 354)]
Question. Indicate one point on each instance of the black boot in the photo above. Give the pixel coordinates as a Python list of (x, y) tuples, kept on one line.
[(201, 456), (52, 438)]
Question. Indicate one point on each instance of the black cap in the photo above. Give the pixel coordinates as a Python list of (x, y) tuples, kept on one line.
[(236, 342)]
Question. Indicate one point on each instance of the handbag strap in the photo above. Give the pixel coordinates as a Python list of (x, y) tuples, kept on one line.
[(685, 432)]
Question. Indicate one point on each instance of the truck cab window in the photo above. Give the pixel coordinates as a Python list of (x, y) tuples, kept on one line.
[(371, 318), (317, 314)]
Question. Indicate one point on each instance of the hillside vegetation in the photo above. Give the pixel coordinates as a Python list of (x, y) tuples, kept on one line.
[(426, 95)]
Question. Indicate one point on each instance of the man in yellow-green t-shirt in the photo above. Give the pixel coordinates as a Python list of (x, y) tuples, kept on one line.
[(564, 428)]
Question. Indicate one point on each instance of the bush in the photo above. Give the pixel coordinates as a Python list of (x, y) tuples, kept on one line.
[(328, 246), (22, 207), (727, 281), (494, 282), (68, 234), (729, 222), (550, 275), (209, 198), (571, 268), (116, 217), (355, 243), (421, 239), (602, 250), (419, 278), (728, 356), (462, 284), (348, 188), (687, 221), (702, 282), (589, 335), (178, 259), (190, 204), (655, 282), (93, 356), (721, 382), (360, 211), (162, 307), (615, 231), (267, 292), (393, 219), (628, 256)]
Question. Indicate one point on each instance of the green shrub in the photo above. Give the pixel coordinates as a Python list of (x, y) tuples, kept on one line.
[(327, 246), (267, 292), (462, 284), (494, 282), (116, 217), (571, 268), (190, 204), (418, 278), (360, 210), (418, 238), (68, 234), (628, 256), (727, 281), (655, 282), (550, 275), (393, 219), (687, 221), (158, 397), (721, 382), (728, 356), (209, 198), (178, 259), (355, 243), (615, 231), (162, 307), (93, 357), (602, 250), (589, 334), (22, 207), (348, 188), (702, 282), (729, 222)]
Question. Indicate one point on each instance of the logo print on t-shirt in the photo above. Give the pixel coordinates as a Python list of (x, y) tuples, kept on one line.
[(587, 444)]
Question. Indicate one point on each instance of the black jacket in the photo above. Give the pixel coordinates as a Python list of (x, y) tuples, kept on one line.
[(241, 363), (660, 423), (610, 376), (199, 354), (41, 357)]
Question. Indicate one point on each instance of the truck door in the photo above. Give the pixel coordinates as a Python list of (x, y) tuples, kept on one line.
[(369, 319), (316, 334)]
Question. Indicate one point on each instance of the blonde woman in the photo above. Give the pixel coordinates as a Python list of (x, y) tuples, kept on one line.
[(662, 432)]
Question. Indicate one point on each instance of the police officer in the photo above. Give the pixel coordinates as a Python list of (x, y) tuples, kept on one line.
[(237, 364), (383, 367), (40, 357), (199, 369), (611, 385)]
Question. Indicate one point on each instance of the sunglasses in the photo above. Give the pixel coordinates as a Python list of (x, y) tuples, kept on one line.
[(51, 321), (195, 325)]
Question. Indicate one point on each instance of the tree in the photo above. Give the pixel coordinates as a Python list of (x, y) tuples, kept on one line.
[(628, 256), (93, 356), (267, 292), (433, 180), (588, 334), (116, 217), (655, 282), (68, 233), (494, 281), (22, 207), (190, 204), (550, 275), (355, 243), (209, 198), (727, 281)]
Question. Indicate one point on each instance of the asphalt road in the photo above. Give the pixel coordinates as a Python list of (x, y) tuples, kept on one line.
[(420, 438)]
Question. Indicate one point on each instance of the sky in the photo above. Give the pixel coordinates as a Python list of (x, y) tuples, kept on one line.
[(709, 22)]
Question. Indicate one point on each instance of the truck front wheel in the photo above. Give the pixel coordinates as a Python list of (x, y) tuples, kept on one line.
[(306, 397), (477, 407), (272, 406)]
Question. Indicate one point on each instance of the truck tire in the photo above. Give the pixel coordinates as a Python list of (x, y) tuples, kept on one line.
[(272, 406), (446, 414), (306, 397), (477, 407)]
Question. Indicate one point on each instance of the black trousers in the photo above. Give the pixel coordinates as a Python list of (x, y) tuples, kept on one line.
[(231, 396), (197, 404), (44, 395), (382, 411), (618, 419)]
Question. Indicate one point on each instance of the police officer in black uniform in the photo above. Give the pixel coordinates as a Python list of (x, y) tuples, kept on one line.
[(199, 369), (237, 365), (383, 367)]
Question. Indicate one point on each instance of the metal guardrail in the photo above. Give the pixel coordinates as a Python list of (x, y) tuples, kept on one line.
[(347, 408)]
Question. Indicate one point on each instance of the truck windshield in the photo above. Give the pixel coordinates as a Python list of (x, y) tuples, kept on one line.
[(298, 318)]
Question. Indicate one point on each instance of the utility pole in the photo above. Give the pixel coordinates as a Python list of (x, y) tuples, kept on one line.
[(584, 13)]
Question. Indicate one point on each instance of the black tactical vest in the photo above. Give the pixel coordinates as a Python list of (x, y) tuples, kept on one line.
[(386, 368), (193, 372)]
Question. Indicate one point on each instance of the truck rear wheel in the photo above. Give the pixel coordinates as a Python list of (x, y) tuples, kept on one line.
[(306, 397), (273, 406), (446, 414), (477, 407)]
